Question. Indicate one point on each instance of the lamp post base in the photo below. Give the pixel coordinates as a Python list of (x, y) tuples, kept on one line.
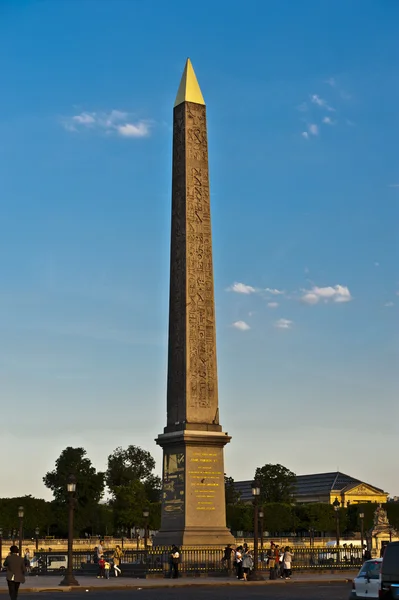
[(256, 576), (69, 580)]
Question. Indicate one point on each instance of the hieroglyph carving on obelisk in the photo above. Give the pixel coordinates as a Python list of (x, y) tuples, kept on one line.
[(193, 506)]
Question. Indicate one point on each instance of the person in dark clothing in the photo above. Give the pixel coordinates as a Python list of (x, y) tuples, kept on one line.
[(228, 551), (15, 571), (175, 558), (238, 562), (101, 567)]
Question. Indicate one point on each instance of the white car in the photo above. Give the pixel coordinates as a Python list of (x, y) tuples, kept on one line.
[(367, 582), (53, 562)]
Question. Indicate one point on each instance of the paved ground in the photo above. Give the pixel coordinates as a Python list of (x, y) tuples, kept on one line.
[(334, 591), (168, 588)]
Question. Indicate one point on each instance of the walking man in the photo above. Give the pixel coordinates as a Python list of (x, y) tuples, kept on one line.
[(228, 551), (15, 571)]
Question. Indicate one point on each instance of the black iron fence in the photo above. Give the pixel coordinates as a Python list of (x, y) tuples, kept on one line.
[(194, 561)]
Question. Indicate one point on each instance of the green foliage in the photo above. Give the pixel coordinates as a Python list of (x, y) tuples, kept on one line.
[(239, 517), (128, 504), (89, 490), (125, 466), (89, 483), (37, 513), (392, 509), (278, 518), (152, 487), (231, 494), (277, 484), (132, 484)]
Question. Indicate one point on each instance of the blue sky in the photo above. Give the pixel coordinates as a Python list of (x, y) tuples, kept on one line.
[(302, 101)]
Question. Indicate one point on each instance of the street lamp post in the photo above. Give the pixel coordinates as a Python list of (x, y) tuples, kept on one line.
[(137, 537), (361, 517), (37, 532), (21, 525), (336, 508), (261, 515), (146, 514), (1, 546), (69, 579), (256, 493), (311, 537)]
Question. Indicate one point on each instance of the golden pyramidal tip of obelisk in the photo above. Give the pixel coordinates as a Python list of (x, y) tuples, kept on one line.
[(189, 90)]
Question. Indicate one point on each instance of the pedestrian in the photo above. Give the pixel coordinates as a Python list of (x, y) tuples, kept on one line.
[(280, 563), (100, 550), (287, 561), (116, 558), (247, 564), (238, 562), (175, 556), (271, 560), (101, 565), (27, 560), (228, 551), (276, 561), (367, 553), (15, 571), (107, 569)]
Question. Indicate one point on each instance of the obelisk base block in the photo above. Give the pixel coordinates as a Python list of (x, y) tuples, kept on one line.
[(193, 503)]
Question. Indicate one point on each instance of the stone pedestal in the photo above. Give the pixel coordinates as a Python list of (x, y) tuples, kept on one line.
[(193, 503), (379, 537), (382, 532)]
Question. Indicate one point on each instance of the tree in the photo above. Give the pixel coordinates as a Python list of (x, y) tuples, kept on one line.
[(278, 518), (132, 484), (392, 509), (232, 496), (38, 513), (277, 484), (240, 517), (132, 464), (89, 486)]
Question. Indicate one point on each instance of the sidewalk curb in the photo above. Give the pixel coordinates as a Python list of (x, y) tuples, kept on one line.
[(137, 586)]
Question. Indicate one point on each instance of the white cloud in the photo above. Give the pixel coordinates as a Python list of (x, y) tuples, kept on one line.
[(313, 129), (328, 121), (310, 298), (115, 121), (274, 291), (84, 119), (331, 81), (389, 304), (241, 288), (305, 135), (283, 324), (272, 304), (141, 129), (315, 99), (376, 264), (241, 325), (394, 185), (336, 293)]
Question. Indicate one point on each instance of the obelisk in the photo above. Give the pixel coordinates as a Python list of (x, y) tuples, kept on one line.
[(193, 495)]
